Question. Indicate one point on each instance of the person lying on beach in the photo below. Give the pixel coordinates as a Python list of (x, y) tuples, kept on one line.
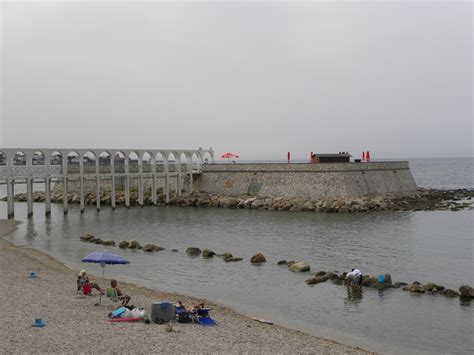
[(191, 309), (122, 296), (83, 280), (354, 278)]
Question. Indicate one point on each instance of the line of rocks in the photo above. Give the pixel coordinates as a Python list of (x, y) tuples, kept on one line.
[(421, 200), (465, 292)]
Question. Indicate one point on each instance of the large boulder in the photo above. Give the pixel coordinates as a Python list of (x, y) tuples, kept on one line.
[(451, 293), (133, 244), (331, 275), (206, 253), (316, 280), (124, 244), (466, 291), (152, 247), (432, 286), (108, 242), (387, 279), (87, 237), (301, 266), (258, 258), (225, 255), (417, 289), (193, 251)]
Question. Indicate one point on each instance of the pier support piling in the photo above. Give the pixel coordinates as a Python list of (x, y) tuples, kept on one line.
[(29, 197)]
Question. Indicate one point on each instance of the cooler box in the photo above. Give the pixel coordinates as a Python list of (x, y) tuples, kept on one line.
[(163, 312)]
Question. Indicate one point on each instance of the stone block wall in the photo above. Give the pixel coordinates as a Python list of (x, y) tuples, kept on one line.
[(313, 181)]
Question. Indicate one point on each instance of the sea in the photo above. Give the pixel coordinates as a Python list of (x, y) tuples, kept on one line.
[(426, 246)]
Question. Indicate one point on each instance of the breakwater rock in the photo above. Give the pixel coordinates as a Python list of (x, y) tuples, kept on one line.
[(380, 282), (421, 200)]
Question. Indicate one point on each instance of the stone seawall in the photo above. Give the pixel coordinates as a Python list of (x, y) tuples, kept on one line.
[(310, 181)]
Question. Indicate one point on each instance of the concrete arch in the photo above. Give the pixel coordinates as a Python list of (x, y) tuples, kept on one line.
[(196, 160), (19, 158), (207, 157), (89, 158), (38, 158), (173, 161), (148, 161), (134, 161), (56, 158)]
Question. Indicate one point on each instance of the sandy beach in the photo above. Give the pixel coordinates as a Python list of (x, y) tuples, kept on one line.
[(75, 325)]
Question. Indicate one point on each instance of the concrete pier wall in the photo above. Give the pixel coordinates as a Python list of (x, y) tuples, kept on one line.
[(314, 181)]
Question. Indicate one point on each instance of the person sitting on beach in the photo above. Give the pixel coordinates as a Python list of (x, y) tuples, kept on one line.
[(122, 296), (354, 278), (191, 309), (83, 283)]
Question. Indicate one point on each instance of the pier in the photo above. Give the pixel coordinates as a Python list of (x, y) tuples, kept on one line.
[(47, 166)]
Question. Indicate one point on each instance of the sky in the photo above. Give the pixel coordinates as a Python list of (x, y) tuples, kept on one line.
[(254, 78)]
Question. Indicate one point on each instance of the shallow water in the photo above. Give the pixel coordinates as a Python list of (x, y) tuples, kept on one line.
[(423, 246)]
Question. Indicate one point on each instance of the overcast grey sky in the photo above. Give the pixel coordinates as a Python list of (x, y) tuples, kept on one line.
[(254, 78)]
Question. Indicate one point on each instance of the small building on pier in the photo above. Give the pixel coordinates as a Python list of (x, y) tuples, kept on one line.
[(341, 157)]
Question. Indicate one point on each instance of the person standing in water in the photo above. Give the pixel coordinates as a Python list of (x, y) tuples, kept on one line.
[(354, 278)]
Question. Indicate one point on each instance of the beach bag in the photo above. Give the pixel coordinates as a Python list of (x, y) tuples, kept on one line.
[(184, 317)]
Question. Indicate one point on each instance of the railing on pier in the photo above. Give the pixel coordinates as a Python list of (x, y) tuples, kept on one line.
[(30, 166)]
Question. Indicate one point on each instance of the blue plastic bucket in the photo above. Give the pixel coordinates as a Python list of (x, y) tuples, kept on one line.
[(380, 279)]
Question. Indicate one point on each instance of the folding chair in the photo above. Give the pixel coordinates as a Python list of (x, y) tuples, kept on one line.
[(113, 296)]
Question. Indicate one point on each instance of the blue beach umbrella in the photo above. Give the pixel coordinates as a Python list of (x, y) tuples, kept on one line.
[(103, 258)]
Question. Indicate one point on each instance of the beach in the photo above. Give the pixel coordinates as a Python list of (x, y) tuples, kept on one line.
[(75, 325)]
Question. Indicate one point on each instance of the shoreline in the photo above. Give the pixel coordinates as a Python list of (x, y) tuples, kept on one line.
[(74, 325)]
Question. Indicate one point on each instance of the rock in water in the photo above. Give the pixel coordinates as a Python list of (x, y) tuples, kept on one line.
[(133, 244), (451, 293), (232, 259), (316, 280), (417, 289), (226, 255), (301, 266), (192, 251), (87, 237), (331, 275), (291, 262), (320, 273), (206, 253), (108, 242), (466, 291), (387, 279), (281, 262), (124, 244), (152, 247), (258, 258), (174, 250), (430, 286)]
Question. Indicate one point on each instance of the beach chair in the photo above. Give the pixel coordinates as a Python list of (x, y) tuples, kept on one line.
[(113, 296), (202, 317)]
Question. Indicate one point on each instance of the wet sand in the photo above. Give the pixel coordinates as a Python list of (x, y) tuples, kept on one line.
[(75, 325)]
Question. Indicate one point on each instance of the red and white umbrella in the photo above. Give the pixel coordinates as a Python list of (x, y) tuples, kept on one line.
[(229, 155)]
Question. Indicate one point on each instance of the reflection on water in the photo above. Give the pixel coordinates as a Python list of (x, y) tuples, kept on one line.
[(354, 294), (408, 245)]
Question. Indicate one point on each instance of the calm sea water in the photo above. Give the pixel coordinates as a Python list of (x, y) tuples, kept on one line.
[(423, 246)]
